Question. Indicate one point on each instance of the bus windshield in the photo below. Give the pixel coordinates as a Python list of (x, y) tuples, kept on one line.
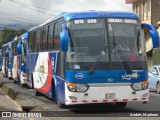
[(128, 37), (89, 36)]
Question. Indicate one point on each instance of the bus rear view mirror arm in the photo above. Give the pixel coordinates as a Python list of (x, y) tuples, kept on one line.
[(154, 34), (19, 47), (64, 38), (7, 52)]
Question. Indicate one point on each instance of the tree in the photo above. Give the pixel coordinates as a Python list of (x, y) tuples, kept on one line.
[(8, 35)]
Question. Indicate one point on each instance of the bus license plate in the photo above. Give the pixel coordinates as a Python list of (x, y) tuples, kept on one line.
[(110, 95)]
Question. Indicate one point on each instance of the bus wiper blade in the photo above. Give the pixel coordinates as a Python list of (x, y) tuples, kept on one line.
[(122, 56), (98, 59)]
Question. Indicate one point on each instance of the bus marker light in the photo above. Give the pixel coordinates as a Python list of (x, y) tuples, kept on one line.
[(71, 84), (105, 100), (143, 98), (115, 100), (94, 100), (125, 100), (134, 99), (74, 100), (84, 101)]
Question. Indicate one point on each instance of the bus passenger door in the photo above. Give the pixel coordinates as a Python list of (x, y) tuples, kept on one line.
[(45, 74)]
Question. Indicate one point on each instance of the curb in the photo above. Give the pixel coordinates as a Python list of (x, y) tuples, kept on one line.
[(9, 91), (18, 97)]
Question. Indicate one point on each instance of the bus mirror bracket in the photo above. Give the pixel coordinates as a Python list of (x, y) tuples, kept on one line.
[(64, 38), (7, 52), (19, 47), (153, 33)]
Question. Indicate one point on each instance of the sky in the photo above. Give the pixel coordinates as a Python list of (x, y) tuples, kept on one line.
[(38, 11)]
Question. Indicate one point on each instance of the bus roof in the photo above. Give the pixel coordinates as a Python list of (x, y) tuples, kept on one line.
[(91, 14), (24, 36), (98, 14)]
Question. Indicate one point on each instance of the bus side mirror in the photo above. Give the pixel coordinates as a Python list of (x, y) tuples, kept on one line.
[(64, 38), (19, 47), (7, 52), (154, 34)]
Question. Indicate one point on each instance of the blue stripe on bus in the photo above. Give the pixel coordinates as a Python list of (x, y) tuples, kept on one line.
[(99, 76)]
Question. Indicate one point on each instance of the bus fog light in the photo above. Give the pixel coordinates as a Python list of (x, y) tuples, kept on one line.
[(145, 95), (72, 97)]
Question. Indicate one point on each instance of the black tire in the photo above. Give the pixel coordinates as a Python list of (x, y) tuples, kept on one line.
[(53, 92), (158, 87), (23, 85), (14, 81), (10, 78), (60, 105), (37, 93), (121, 104), (32, 82)]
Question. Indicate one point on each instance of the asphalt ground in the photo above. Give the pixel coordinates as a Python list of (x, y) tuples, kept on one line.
[(25, 98)]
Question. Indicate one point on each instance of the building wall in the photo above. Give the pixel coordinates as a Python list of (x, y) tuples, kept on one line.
[(155, 6), (147, 10), (143, 9)]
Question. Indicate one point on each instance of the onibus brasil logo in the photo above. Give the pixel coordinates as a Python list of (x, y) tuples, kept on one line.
[(129, 76)]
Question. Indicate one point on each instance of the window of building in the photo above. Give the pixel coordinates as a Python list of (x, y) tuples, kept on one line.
[(141, 11), (149, 8), (137, 10), (144, 10)]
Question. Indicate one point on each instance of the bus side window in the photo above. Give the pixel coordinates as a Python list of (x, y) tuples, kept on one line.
[(45, 29), (56, 37), (61, 54), (50, 37), (35, 43), (30, 42), (38, 39)]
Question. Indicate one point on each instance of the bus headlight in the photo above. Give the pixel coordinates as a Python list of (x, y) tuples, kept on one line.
[(77, 87), (140, 86)]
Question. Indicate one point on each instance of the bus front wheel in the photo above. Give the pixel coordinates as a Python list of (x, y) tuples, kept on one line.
[(121, 104), (37, 93), (61, 105)]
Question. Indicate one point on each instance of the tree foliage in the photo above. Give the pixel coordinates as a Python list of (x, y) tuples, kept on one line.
[(8, 35)]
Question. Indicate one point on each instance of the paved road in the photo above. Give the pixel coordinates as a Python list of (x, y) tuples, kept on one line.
[(87, 111)]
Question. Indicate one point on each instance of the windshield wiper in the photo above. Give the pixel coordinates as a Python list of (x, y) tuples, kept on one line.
[(98, 59), (119, 51)]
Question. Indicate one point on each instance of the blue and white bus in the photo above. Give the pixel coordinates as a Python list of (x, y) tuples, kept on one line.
[(14, 60), (0, 59), (78, 58), (19, 51), (6, 60)]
